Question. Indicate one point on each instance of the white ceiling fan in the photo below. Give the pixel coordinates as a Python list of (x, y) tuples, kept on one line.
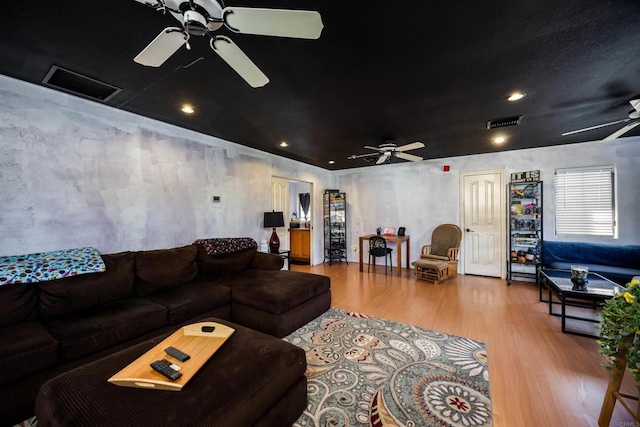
[(634, 119), (388, 149), (202, 17)]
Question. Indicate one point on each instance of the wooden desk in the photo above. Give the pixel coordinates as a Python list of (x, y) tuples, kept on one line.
[(393, 239)]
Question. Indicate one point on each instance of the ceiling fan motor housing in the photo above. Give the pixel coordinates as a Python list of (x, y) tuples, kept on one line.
[(195, 23)]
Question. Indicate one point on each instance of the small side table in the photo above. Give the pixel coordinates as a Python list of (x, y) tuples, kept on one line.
[(286, 254)]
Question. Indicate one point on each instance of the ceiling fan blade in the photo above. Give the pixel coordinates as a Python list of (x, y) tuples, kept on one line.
[(162, 47), (622, 131), (239, 61), (412, 146), (301, 24), (360, 156), (635, 103), (154, 3), (373, 148), (595, 127), (383, 158), (409, 157)]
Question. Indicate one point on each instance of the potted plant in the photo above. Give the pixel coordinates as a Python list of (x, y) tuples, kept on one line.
[(619, 326)]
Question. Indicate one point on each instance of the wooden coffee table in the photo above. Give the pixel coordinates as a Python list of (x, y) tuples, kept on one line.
[(559, 285)]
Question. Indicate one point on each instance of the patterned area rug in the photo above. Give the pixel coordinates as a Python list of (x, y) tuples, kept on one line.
[(366, 371)]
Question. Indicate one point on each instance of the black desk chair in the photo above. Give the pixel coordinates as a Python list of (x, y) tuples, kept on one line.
[(378, 248)]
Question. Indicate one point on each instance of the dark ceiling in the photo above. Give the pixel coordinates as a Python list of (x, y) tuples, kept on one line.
[(430, 71)]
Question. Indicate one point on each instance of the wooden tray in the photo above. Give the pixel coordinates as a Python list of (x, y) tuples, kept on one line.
[(189, 339)]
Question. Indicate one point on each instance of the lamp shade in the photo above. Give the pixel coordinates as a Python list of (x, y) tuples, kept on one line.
[(273, 219)]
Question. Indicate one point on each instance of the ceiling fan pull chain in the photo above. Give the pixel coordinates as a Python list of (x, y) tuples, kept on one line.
[(186, 40)]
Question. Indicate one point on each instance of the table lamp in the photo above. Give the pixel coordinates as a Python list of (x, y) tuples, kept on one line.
[(273, 220)]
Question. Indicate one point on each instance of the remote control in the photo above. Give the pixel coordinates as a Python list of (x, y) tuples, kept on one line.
[(174, 352), (208, 328), (164, 367)]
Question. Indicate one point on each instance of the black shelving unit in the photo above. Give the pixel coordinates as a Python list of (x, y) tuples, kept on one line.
[(525, 230), (335, 226)]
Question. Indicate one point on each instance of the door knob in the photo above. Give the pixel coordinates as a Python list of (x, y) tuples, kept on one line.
[(468, 230)]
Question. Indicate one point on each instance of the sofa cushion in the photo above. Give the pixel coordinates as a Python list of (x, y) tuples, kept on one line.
[(266, 261), (72, 294), (165, 268), (212, 266), (190, 300), (274, 291), (26, 348), (105, 326), (17, 303), (625, 256)]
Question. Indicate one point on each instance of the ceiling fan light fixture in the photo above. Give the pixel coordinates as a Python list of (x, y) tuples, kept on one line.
[(516, 96)]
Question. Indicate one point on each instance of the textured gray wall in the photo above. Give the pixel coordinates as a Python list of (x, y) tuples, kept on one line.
[(75, 173), (421, 195)]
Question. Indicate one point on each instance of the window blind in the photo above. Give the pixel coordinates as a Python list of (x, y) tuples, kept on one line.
[(585, 201)]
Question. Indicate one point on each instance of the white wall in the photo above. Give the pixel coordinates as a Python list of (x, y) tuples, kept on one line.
[(76, 173), (421, 195)]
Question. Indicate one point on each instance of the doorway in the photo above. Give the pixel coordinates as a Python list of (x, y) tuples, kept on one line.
[(483, 223), (297, 233)]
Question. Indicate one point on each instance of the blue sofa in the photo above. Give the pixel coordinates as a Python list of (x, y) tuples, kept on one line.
[(619, 263)]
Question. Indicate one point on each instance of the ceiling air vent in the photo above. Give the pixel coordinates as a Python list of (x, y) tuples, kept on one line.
[(506, 121), (77, 84)]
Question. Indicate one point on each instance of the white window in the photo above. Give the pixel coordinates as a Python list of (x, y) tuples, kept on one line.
[(585, 201)]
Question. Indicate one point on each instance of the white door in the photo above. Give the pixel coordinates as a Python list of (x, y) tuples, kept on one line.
[(483, 226), (280, 203)]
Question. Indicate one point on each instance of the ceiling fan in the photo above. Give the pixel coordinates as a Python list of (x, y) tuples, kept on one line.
[(389, 149), (203, 17), (634, 118)]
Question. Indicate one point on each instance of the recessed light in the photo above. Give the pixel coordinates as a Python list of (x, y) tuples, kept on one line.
[(284, 144), (188, 109), (331, 162), (499, 139), (516, 96)]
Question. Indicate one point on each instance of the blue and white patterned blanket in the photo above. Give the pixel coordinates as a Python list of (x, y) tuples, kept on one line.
[(43, 266)]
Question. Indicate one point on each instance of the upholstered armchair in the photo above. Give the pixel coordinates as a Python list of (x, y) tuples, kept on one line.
[(445, 244)]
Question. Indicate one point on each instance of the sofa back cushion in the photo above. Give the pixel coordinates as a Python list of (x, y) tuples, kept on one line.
[(77, 293), (17, 303), (165, 268), (212, 266), (626, 256)]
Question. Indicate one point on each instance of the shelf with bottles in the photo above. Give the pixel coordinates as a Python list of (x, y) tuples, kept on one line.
[(525, 227)]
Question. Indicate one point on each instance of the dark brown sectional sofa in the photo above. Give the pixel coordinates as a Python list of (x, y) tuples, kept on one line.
[(49, 328)]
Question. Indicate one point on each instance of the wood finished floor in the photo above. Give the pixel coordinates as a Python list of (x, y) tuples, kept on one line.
[(538, 375)]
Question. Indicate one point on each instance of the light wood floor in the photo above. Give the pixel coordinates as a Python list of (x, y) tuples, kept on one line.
[(538, 375)]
